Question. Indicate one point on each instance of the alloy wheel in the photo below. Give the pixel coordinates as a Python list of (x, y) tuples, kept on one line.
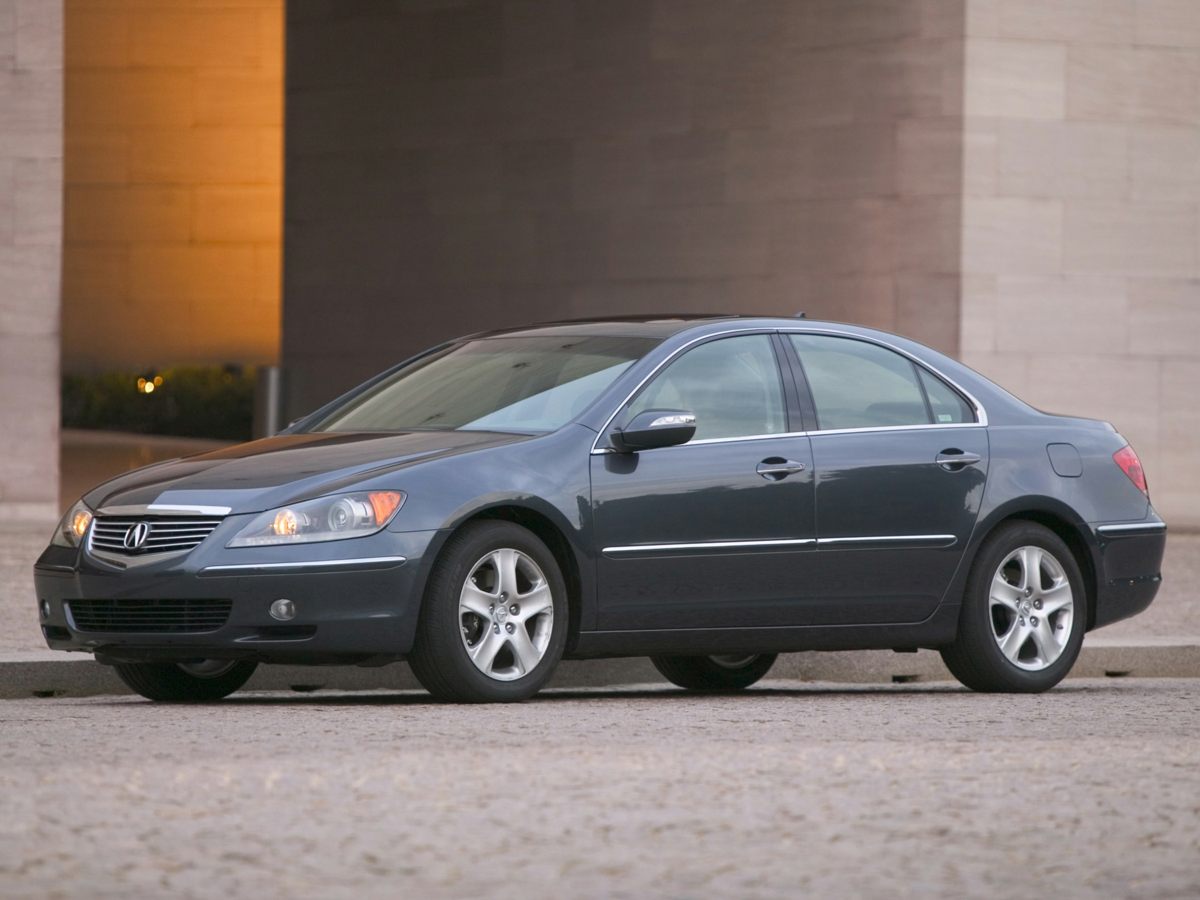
[(1032, 608), (506, 614)]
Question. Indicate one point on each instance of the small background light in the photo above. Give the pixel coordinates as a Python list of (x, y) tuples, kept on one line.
[(283, 609)]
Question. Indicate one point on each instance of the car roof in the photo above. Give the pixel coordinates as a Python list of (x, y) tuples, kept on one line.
[(650, 325)]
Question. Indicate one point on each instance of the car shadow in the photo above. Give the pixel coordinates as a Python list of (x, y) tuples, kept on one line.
[(665, 694)]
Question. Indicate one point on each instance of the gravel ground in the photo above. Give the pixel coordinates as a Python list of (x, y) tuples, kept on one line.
[(1091, 790)]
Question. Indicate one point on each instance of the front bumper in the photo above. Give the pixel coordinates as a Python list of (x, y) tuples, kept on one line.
[(356, 601), (1128, 567)]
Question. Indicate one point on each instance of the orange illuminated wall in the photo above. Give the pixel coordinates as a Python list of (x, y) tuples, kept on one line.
[(173, 166)]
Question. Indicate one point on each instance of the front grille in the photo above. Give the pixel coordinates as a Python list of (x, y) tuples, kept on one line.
[(149, 616), (167, 534)]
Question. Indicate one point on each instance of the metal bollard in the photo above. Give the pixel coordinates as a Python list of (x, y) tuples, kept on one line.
[(268, 401)]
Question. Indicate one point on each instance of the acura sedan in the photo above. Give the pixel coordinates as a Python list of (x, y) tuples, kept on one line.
[(708, 492)]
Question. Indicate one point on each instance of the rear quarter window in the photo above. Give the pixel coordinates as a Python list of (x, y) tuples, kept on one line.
[(947, 406)]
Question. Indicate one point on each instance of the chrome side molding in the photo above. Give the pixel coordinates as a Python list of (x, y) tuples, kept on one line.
[(1132, 527), (907, 540), (707, 545)]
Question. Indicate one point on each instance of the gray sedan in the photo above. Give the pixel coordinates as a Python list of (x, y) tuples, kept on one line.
[(707, 492)]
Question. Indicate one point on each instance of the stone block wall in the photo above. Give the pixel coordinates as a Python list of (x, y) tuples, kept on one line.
[(30, 243), (1081, 219), (173, 171), (467, 165)]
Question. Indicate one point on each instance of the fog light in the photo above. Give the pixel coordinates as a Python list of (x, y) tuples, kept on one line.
[(45, 609), (283, 610)]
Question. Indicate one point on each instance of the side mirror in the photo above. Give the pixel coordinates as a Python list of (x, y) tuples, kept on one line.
[(655, 428)]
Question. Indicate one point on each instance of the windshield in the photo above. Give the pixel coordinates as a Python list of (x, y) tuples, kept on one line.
[(522, 384)]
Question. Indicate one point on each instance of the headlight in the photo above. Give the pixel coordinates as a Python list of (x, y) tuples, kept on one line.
[(325, 519), (73, 527)]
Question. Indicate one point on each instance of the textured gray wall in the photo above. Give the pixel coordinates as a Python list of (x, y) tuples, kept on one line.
[(454, 166), (1081, 228), (30, 247)]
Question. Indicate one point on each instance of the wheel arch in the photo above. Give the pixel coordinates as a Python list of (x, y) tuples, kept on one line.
[(1063, 522), (549, 531)]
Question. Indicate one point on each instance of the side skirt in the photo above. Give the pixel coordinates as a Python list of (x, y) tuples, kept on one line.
[(936, 631)]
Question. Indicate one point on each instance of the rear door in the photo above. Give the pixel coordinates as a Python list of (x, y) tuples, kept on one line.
[(901, 460)]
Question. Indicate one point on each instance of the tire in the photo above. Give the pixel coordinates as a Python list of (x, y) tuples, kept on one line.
[(469, 646), (732, 672), (173, 683), (1018, 634)]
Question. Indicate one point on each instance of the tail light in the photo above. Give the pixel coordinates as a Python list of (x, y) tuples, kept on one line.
[(1132, 466)]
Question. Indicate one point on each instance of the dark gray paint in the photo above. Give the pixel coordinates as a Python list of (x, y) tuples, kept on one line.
[(881, 483)]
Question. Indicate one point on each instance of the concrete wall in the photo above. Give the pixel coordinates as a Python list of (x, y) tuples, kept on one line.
[(1081, 232), (455, 166), (173, 169), (30, 239)]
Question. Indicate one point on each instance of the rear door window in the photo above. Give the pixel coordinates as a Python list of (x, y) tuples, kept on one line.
[(857, 384)]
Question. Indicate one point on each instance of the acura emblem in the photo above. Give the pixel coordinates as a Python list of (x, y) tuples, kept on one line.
[(136, 536)]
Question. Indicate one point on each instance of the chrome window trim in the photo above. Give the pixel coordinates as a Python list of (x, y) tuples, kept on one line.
[(979, 409), (308, 564), (1131, 526), (164, 509), (599, 451)]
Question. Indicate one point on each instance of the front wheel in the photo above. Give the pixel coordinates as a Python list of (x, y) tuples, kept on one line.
[(199, 681), (728, 672), (494, 622), (1023, 615)]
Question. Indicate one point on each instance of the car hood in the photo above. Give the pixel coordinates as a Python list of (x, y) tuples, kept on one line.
[(284, 469)]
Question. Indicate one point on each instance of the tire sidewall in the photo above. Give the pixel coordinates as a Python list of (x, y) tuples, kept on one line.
[(456, 567), (976, 617), (703, 674)]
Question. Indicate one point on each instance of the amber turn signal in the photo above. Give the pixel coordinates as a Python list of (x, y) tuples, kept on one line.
[(384, 503)]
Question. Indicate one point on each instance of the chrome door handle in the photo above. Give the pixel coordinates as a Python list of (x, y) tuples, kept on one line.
[(776, 468), (953, 460)]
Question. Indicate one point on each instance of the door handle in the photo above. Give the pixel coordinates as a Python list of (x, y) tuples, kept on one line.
[(954, 460), (776, 468)]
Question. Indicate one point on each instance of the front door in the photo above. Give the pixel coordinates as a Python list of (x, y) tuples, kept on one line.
[(714, 533)]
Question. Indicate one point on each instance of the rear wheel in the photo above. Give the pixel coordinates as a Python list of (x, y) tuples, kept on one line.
[(1023, 616), (197, 681), (725, 672), (494, 622)]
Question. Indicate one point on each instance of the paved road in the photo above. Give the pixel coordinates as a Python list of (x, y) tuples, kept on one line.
[(1092, 790)]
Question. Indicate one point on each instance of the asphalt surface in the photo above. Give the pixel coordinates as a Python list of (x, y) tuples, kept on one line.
[(1091, 790)]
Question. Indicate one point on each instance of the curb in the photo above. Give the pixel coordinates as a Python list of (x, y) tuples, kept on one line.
[(47, 674)]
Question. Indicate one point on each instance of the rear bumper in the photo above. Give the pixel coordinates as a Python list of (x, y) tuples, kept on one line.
[(1128, 567), (355, 601)]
